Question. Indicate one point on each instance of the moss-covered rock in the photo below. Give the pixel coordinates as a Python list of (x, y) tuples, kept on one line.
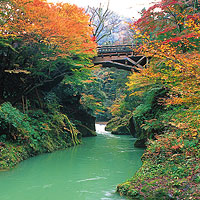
[(119, 126), (146, 120), (11, 153), (85, 131), (112, 123), (121, 130), (85, 123), (32, 133), (81, 116)]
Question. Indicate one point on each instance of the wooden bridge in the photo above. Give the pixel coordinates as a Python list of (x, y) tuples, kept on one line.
[(121, 57)]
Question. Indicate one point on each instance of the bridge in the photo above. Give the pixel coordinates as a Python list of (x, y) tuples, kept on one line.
[(121, 57)]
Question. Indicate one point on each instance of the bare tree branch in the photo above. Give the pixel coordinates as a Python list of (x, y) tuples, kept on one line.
[(103, 21)]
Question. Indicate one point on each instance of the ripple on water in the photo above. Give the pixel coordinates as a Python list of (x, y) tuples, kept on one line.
[(91, 179)]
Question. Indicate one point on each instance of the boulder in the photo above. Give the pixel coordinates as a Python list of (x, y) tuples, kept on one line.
[(119, 126)]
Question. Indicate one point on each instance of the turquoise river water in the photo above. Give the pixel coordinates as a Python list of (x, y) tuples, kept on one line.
[(89, 171)]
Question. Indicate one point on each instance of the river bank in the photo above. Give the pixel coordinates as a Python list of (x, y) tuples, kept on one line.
[(24, 135), (13, 153), (164, 175)]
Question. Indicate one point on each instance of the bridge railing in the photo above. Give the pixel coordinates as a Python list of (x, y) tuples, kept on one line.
[(115, 49)]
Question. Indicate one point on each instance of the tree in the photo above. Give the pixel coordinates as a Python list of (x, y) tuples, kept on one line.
[(41, 43), (104, 21)]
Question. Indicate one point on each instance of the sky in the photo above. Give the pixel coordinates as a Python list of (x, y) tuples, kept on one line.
[(126, 8)]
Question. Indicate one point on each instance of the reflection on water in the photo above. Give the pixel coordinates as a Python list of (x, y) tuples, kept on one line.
[(89, 171)]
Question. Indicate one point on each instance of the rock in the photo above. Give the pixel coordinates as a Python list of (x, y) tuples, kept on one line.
[(121, 130), (119, 126), (77, 113), (134, 127), (140, 143), (85, 131), (85, 122), (112, 124)]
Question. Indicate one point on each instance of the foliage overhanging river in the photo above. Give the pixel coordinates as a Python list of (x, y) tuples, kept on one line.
[(89, 171)]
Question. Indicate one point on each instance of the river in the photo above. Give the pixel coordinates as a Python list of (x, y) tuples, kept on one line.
[(89, 171)]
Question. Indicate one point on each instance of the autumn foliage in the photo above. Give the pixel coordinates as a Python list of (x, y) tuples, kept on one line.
[(170, 32), (61, 25), (44, 40)]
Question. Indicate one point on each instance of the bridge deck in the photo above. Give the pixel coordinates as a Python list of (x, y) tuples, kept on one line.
[(120, 56)]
